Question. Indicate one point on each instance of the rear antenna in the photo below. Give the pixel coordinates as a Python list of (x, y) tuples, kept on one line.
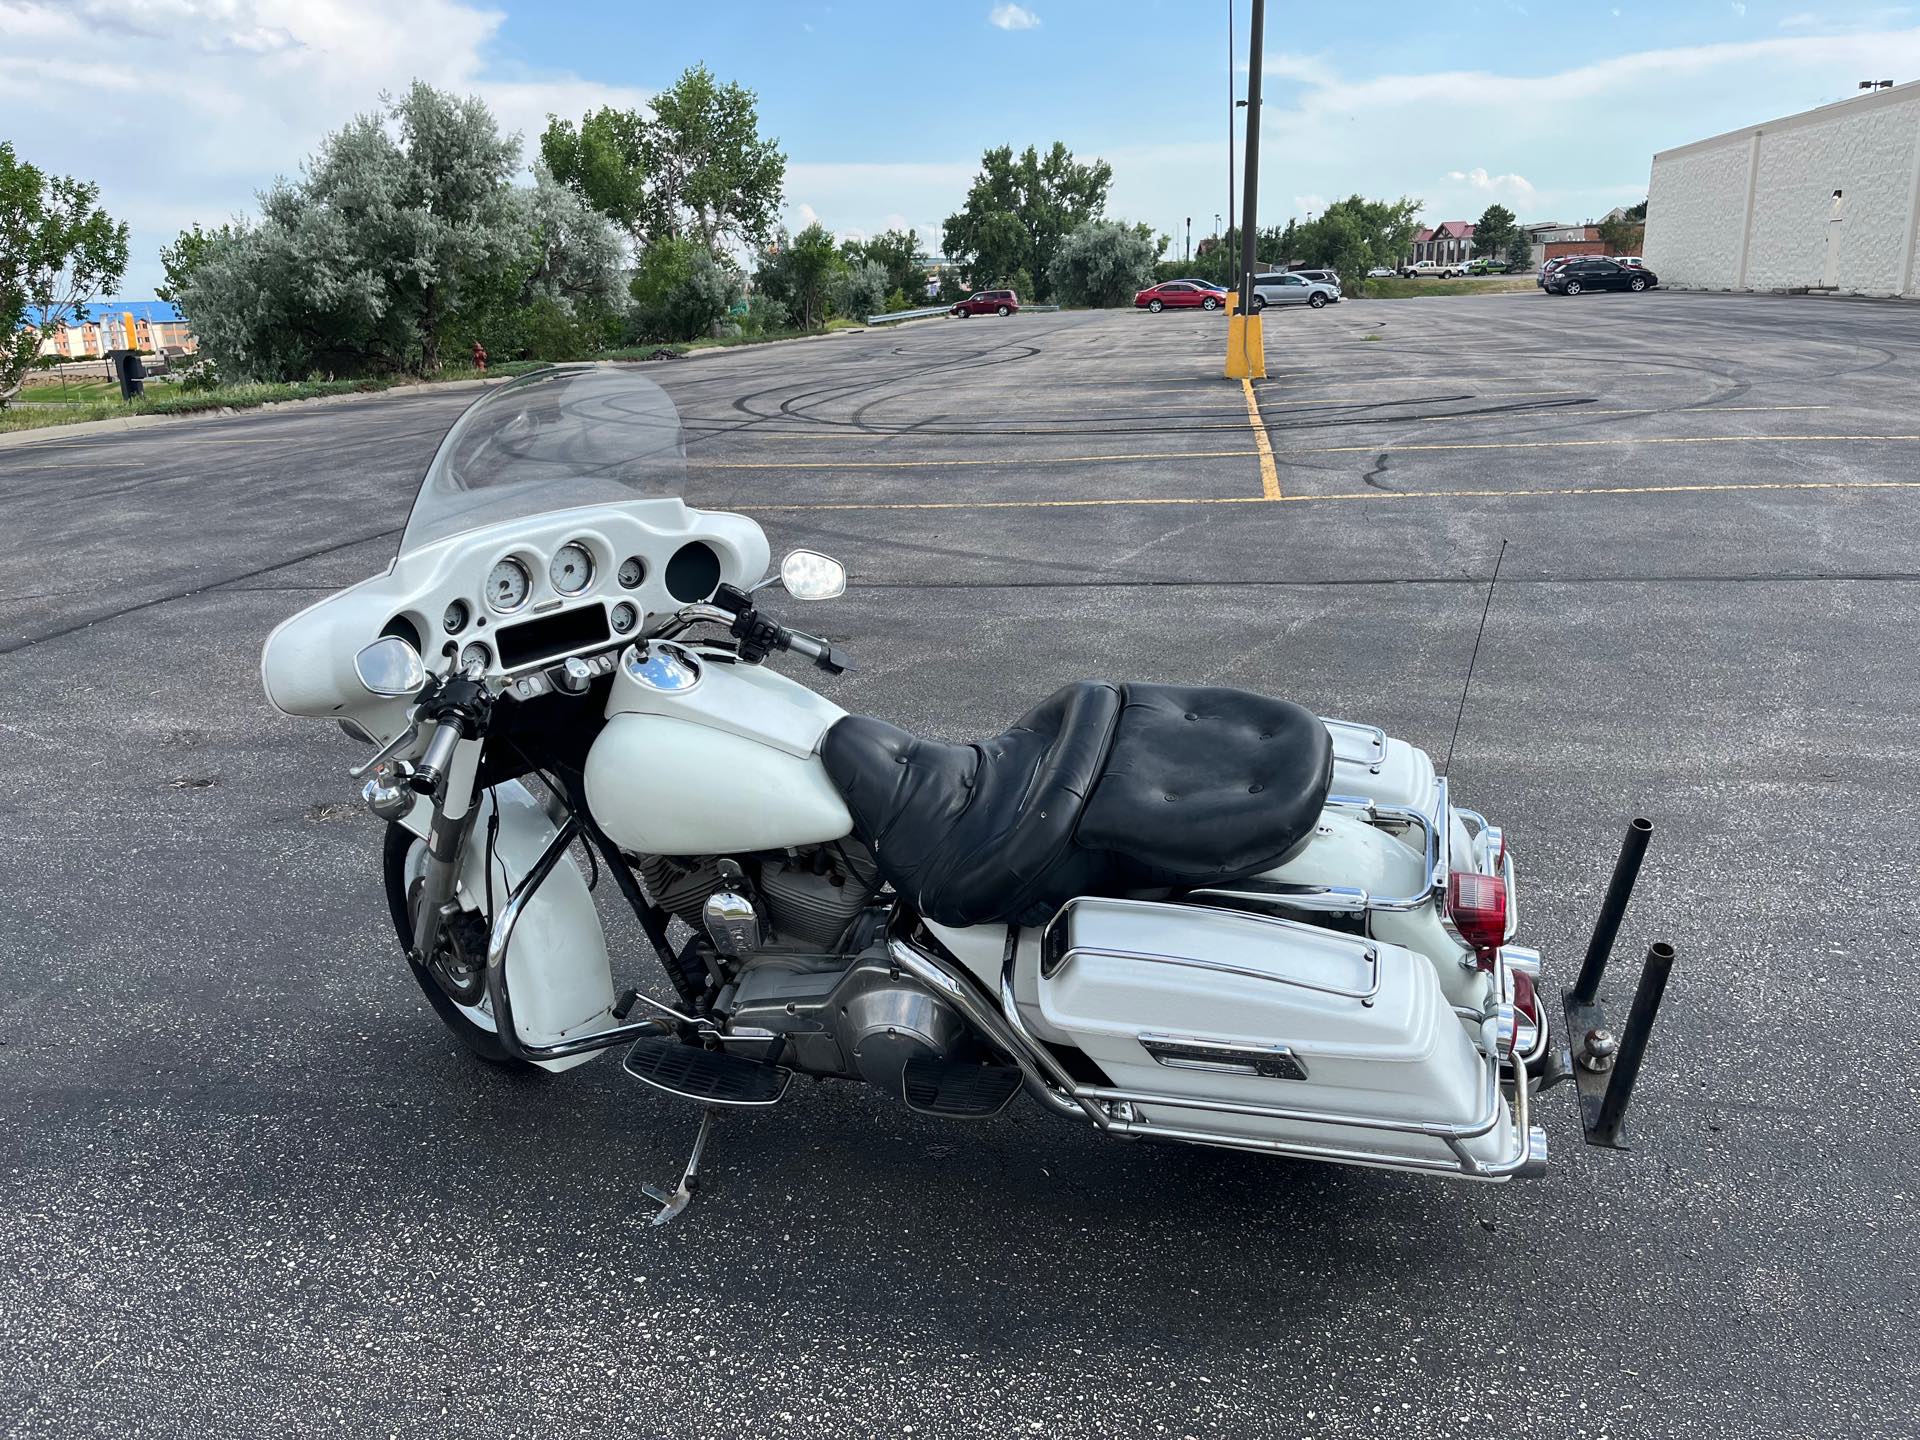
[(1447, 769)]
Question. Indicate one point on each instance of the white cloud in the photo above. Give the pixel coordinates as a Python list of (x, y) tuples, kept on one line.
[(1306, 205), (1737, 6), (1013, 17), (1477, 178), (211, 99)]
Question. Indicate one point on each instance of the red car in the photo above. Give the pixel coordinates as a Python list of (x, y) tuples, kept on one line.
[(1173, 294), (987, 302)]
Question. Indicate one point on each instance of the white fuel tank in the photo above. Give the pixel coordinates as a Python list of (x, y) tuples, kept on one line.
[(702, 757)]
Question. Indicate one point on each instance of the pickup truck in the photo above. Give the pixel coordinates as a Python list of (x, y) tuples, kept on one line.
[(1428, 269)]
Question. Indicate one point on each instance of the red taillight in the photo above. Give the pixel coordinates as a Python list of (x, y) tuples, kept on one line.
[(1477, 905)]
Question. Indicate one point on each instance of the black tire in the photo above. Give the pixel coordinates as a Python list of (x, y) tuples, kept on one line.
[(1209, 304), (1155, 306), (1003, 312), (1572, 287), (959, 314), (1317, 301), (1259, 304), (1638, 282), (483, 1043)]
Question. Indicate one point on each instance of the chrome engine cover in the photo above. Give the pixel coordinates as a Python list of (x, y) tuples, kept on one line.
[(864, 1022)]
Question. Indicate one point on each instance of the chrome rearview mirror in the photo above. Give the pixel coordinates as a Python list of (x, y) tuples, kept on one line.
[(391, 667), (809, 575)]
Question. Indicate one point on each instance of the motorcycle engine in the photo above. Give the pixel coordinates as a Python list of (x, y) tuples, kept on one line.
[(810, 898)]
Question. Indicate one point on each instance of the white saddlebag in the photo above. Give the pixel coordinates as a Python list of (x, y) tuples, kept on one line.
[(1218, 1023)]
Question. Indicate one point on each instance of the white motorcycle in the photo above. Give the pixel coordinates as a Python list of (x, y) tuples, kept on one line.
[(1172, 912)]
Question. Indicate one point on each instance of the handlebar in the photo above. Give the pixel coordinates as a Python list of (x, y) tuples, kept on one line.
[(431, 773), (819, 651)]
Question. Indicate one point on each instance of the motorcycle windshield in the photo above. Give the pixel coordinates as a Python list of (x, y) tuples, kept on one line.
[(555, 439)]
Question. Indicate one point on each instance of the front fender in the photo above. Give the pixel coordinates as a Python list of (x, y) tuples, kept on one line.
[(557, 966)]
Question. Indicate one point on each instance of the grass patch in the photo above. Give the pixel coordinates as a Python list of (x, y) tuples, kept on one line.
[(1373, 337), (29, 412), (1399, 289)]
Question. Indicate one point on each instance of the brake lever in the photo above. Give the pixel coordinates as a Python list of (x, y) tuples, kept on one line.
[(393, 747)]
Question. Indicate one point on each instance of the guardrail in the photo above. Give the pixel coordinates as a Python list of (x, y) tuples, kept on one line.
[(942, 310), (908, 315)]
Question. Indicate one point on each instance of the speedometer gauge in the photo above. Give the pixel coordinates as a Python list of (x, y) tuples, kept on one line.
[(508, 586), (571, 570)]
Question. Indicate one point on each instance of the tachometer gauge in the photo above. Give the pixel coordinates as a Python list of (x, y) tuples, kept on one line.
[(454, 620), (632, 571), (508, 586), (571, 570), (476, 654)]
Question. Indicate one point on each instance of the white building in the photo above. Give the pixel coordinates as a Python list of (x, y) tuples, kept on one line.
[(1828, 200)]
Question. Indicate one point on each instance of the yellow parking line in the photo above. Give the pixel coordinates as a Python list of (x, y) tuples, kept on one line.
[(1353, 495), (1269, 473), (1587, 444), (969, 460)]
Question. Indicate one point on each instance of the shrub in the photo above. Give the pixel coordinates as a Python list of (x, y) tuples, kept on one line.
[(859, 291), (1102, 263), (679, 291)]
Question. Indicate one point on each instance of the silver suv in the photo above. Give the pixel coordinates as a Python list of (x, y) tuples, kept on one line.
[(1289, 289)]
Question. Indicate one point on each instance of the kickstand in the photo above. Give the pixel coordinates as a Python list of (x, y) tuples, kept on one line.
[(672, 1204)]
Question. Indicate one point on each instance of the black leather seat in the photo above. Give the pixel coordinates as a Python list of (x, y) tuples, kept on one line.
[(1099, 790)]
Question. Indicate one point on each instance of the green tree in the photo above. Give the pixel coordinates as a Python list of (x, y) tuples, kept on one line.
[(679, 290), (1104, 262), (179, 259), (1495, 231), (389, 246), (710, 171), (1626, 234), (1019, 210), (58, 252), (603, 161), (860, 290), (799, 273), (896, 251)]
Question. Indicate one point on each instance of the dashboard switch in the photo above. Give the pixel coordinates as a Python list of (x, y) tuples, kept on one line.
[(575, 675)]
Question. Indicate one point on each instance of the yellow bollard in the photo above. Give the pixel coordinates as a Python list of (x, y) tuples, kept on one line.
[(1246, 351)]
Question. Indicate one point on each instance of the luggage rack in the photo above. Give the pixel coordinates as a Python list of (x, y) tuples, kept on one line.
[(1358, 744), (1347, 899)]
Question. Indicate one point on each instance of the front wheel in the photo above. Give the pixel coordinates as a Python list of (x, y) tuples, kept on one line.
[(1317, 301), (1638, 282), (1572, 287), (1258, 304), (459, 962), (1155, 306)]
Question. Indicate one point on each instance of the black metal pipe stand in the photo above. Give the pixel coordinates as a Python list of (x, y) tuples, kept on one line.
[(1606, 1065)]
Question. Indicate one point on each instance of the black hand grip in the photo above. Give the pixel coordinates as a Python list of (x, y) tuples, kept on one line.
[(431, 772), (815, 649)]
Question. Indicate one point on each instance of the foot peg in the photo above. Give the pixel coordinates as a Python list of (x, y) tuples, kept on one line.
[(957, 1091), (711, 1077)]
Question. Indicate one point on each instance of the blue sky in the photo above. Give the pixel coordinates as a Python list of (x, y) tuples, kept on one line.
[(182, 109)]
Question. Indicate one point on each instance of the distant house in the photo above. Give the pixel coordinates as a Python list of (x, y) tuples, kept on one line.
[(1448, 243), (114, 325)]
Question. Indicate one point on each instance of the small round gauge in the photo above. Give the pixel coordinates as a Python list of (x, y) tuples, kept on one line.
[(624, 618), (508, 585), (455, 617), (632, 571), (476, 654), (571, 570)]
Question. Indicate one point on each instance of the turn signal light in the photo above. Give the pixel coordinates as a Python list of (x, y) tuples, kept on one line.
[(1477, 905)]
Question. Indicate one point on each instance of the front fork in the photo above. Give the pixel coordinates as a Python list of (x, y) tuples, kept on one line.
[(450, 785)]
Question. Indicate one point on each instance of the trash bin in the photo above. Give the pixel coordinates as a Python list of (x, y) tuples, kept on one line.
[(129, 371)]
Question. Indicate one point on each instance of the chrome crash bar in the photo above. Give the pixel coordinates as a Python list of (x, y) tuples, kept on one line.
[(1111, 1108)]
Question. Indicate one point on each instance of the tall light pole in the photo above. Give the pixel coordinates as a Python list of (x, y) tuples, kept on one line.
[(1189, 257), (1232, 174), (1246, 355)]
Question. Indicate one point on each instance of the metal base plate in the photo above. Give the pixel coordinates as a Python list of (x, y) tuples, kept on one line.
[(1592, 1084)]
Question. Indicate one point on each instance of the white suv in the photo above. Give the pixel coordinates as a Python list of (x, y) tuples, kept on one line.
[(1289, 289)]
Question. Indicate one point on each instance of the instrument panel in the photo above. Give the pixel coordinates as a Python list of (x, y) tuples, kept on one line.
[(516, 597)]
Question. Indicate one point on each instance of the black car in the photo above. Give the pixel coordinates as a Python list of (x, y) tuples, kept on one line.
[(1596, 273)]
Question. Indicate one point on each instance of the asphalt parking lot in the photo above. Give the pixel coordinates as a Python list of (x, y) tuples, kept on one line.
[(248, 1187)]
